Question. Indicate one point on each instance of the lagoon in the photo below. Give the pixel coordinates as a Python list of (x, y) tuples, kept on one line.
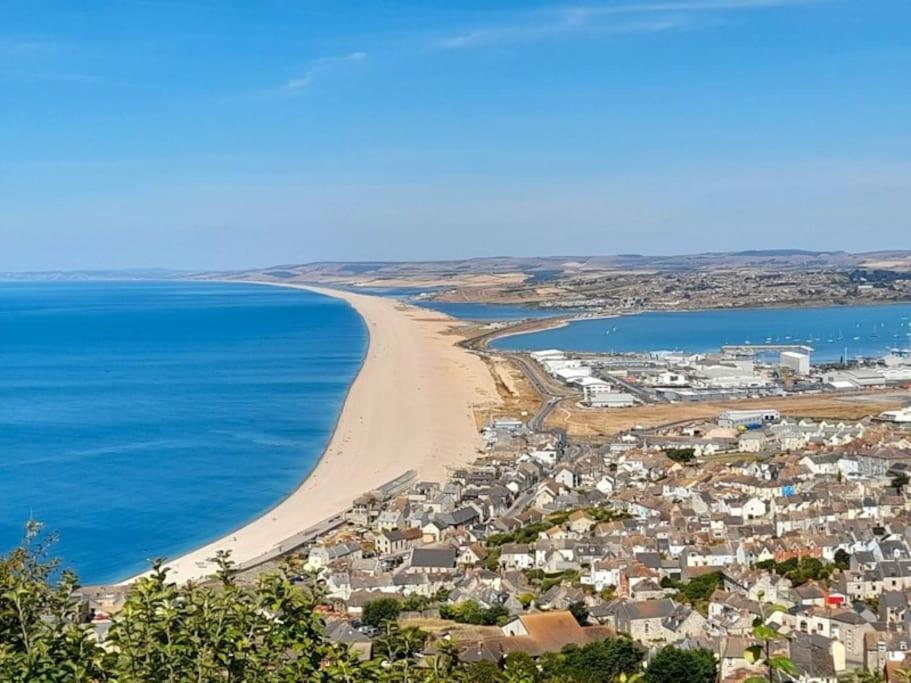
[(832, 331)]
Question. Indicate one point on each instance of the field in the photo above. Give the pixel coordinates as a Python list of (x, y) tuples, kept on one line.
[(594, 422), (518, 397)]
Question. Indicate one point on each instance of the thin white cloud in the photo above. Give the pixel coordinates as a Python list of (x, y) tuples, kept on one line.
[(318, 66), (601, 19), (530, 32), (683, 6)]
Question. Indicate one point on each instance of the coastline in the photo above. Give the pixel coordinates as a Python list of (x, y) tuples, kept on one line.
[(408, 409)]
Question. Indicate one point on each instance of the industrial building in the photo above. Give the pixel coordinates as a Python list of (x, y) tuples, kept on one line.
[(748, 419), (799, 363)]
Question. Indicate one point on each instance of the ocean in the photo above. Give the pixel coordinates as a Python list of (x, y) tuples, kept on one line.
[(831, 331), (140, 420)]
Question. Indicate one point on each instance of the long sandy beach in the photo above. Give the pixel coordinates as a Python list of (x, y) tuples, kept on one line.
[(410, 408)]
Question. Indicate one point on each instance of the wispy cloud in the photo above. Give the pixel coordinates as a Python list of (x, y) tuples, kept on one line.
[(605, 19), (318, 67), (532, 31)]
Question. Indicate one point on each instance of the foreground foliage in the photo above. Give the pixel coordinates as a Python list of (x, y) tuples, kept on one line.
[(270, 632)]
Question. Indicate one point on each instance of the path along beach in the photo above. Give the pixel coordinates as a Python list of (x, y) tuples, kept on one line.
[(411, 407)]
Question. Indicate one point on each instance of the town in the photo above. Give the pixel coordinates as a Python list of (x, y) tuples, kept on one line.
[(736, 372), (758, 537)]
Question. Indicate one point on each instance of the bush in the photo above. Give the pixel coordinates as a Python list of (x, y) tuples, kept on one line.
[(697, 591), (673, 665), (470, 612), (799, 571), (842, 559), (164, 632), (600, 661), (526, 599), (483, 672), (683, 455), (378, 612)]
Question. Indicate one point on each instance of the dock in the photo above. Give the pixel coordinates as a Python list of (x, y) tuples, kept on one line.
[(753, 348)]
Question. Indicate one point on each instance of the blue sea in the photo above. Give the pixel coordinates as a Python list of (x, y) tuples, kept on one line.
[(831, 331), (143, 419)]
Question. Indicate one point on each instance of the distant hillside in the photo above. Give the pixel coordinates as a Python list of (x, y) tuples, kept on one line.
[(71, 275), (499, 270)]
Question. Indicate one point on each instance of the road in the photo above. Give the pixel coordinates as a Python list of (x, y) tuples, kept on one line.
[(389, 489), (537, 422), (551, 394), (542, 383)]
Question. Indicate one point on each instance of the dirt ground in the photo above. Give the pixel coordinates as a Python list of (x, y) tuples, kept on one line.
[(518, 397), (579, 421)]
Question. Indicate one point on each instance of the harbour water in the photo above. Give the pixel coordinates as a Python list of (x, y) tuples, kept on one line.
[(488, 312), (832, 332), (466, 310), (142, 419)]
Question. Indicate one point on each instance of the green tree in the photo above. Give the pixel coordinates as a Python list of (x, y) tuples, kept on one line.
[(446, 659), (899, 481), (673, 665), (519, 668), (220, 632), (579, 610), (399, 650), (777, 665), (378, 612), (600, 661), (483, 672), (842, 559), (470, 612), (697, 591), (684, 455), (41, 638), (799, 571), (224, 632)]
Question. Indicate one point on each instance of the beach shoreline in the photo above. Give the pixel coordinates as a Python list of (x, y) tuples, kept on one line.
[(412, 357)]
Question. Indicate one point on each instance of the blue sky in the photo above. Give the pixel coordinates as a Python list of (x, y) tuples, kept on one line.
[(224, 134)]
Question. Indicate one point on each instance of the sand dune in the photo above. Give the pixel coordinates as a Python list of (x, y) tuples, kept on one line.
[(410, 407)]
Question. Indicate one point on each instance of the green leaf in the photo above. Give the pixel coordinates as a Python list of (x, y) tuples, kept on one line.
[(753, 654), (782, 663), (763, 632)]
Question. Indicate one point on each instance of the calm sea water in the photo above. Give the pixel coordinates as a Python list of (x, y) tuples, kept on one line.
[(861, 330), (144, 419)]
